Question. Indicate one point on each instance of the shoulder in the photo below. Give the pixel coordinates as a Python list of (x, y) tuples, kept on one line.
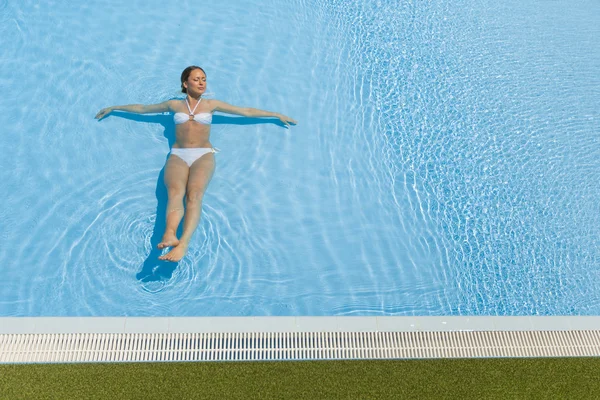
[(221, 106), (173, 105), (213, 104)]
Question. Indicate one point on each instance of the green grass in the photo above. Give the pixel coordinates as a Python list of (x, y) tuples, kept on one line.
[(560, 378)]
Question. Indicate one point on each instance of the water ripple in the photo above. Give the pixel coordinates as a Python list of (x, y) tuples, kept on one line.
[(445, 160)]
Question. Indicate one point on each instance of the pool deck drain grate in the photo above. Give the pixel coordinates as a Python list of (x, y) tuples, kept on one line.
[(73, 340)]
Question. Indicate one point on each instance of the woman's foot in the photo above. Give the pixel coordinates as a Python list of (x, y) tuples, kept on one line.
[(169, 240), (176, 254)]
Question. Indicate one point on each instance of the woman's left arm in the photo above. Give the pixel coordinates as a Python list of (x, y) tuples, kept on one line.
[(250, 112)]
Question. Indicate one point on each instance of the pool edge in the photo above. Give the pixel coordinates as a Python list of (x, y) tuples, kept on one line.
[(53, 325), (181, 339)]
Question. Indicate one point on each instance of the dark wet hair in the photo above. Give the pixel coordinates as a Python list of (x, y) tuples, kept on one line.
[(186, 74)]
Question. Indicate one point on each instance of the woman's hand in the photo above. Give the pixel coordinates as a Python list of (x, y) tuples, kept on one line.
[(103, 113), (286, 120)]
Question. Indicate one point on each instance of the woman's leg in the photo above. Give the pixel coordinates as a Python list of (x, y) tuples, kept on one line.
[(201, 172), (176, 177)]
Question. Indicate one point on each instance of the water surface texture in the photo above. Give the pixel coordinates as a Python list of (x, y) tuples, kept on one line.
[(446, 160)]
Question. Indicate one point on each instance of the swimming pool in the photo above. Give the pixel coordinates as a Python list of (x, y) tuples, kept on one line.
[(445, 161)]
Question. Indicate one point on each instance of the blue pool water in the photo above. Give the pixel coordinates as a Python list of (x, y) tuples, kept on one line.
[(446, 160)]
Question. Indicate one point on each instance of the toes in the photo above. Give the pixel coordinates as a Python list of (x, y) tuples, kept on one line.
[(171, 256), (164, 245)]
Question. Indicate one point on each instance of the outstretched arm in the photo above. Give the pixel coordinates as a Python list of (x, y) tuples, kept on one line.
[(137, 109), (250, 112)]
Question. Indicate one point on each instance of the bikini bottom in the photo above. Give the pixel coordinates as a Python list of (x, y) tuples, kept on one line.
[(191, 154)]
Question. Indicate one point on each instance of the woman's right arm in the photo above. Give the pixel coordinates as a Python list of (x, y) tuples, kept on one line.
[(137, 109)]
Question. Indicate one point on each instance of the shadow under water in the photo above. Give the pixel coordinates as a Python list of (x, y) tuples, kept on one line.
[(154, 269)]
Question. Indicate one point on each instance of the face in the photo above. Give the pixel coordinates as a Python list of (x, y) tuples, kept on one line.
[(196, 82)]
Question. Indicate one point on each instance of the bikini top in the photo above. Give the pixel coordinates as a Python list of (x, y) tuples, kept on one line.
[(203, 118)]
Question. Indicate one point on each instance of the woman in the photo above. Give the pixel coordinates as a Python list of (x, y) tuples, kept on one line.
[(191, 164)]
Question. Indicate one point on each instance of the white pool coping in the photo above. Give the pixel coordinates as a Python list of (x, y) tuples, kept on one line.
[(55, 325), (150, 339)]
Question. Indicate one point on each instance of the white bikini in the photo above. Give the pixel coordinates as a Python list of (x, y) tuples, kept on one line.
[(191, 154)]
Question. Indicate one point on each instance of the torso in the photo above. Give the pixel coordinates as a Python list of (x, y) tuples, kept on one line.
[(191, 133)]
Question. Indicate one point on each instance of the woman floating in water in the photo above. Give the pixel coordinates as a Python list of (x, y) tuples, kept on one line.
[(191, 164)]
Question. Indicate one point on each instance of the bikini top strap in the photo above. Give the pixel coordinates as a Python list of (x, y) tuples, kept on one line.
[(188, 105)]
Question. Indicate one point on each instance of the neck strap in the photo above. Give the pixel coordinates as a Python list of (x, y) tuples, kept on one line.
[(188, 105)]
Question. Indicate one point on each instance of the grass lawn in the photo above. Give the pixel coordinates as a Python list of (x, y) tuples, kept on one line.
[(542, 378)]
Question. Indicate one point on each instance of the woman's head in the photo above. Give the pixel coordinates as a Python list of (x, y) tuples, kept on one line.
[(193, 75)]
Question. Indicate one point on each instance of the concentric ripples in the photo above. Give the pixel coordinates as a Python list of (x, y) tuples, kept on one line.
[(103, 243)]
